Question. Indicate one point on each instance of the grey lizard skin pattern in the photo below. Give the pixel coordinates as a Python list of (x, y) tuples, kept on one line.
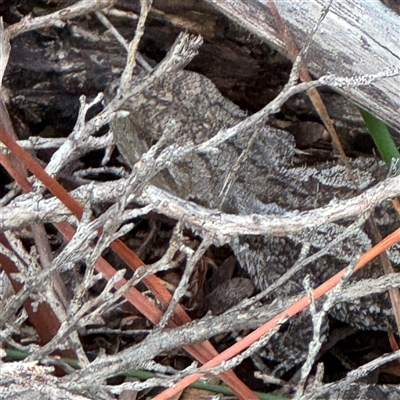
[(271, 180)]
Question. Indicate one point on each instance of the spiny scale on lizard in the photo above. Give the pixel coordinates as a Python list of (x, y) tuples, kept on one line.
[(270, 181)]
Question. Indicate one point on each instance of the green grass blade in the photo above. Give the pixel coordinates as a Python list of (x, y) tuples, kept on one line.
[(382, 138)]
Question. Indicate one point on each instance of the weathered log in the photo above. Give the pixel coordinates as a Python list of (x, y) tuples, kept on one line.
[(355, 38)]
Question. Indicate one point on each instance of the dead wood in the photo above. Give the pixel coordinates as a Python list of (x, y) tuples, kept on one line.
[(356, 38)]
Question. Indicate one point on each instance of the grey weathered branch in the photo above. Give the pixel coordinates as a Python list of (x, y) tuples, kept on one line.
[(224, 226), (29, 23), (350, 41), (196, 331)]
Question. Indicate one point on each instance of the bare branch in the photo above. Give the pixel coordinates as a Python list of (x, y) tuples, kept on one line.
[(340, 388), (126, 77), (223, 226), (184, 282), (57, 18)]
